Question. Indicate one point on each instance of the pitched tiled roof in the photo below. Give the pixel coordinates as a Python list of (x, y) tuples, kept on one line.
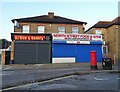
[(116, 21), (101, 24), (46, 19), (105, 24)]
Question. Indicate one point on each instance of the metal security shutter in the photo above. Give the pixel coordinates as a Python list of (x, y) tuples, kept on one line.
[(63, 50), (31, 52), (81, 52), (44, 52)]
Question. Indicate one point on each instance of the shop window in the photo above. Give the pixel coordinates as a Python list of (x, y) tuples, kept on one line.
[(74, 30), (26, 28), (41, 29), (61, 29)]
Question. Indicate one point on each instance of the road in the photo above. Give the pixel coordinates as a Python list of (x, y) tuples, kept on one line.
[(51, 77), (11, 77), (99, 81), (94, 81)]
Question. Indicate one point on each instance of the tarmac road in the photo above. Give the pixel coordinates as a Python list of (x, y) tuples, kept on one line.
[(11, 77), (94, 81), (17, 75)]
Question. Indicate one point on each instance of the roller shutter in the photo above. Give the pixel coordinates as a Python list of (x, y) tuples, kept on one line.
[(32, 52)]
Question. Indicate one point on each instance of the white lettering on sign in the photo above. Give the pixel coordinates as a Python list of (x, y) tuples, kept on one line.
[(78, 42), (77, 37)]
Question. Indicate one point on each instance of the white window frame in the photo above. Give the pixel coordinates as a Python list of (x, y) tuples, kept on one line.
[(61, 29), (106, 49), (98, 31), (26, 28), (75, 30), (41, 29)]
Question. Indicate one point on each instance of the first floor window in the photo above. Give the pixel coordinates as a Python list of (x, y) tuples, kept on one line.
[(75, 30), (41, 29), (61, 29), (26, 28), (98, 32)]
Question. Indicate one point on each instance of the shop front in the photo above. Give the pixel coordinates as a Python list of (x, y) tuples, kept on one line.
[(70, 48), (32, 48)]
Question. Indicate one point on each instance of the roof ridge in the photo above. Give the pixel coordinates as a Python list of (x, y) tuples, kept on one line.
[(105, 21), (70, 19), (46, 19)]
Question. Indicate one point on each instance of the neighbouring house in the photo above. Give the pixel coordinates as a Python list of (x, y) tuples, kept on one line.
[(109, 30), (32, 38)]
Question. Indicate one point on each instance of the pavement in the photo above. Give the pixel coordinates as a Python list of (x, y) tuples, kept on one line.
[(14, 75), (84, 65)]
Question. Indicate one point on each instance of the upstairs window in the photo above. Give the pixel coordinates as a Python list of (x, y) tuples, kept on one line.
[(98, 32), (74, 30), (26, 28), (61, 29), (41, 29)]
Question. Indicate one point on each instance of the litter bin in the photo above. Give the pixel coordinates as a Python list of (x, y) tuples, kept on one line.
[(107, 63)]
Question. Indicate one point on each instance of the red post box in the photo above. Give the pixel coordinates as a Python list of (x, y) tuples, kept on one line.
[(93, 61)]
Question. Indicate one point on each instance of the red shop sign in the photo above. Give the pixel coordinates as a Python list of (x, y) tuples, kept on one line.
[(28, 37)]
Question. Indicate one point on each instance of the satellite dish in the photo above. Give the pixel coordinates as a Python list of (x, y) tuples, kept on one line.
[(16, 24)]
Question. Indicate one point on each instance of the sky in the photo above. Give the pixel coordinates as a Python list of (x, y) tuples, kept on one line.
[(86, 11)]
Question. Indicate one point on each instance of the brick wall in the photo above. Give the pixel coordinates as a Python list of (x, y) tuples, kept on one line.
[(12, 50), (50, 28), (113, 41), (118, 39), (103, 30), (3, 58)]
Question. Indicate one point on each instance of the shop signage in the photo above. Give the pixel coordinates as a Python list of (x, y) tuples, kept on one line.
[(29, 37), (77, 37)]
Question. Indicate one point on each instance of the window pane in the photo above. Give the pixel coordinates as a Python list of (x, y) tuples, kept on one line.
[(25, 29), (105, 49), (74, 30), (41, 29), (61, 29), (98, 32)]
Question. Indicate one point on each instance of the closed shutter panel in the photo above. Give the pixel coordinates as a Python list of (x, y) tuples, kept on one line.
[(25, 53), (83, 52), (44, 53), (32, 52)]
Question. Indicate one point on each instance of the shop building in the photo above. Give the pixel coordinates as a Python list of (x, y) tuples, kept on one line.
[(32, 40)]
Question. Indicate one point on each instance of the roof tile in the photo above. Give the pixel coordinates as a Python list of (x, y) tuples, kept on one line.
[(46, 19)]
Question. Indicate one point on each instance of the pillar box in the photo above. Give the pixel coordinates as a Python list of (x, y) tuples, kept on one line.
[(93, 60)]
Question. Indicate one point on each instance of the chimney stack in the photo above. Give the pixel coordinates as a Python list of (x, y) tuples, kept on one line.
[(51, 15)]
